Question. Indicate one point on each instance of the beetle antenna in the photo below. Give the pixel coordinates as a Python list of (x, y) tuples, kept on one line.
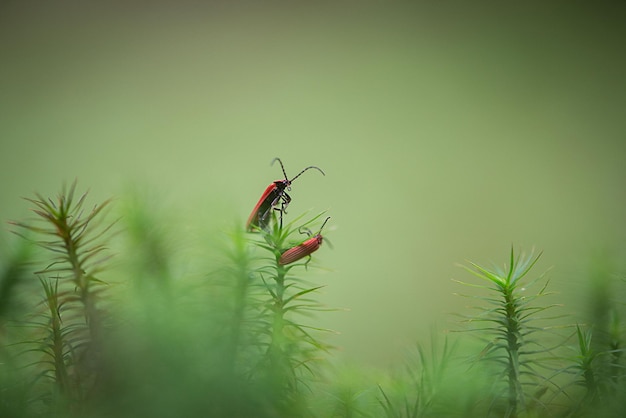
[(322, 227), (281, 166), (312, 166)]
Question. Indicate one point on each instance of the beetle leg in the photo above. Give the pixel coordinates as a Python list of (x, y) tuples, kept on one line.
[(282, 210), (306, 263), (286, 199), (305, 230)]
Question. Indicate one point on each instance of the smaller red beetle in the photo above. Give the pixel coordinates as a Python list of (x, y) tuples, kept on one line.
[(275, 194), (305, 249)]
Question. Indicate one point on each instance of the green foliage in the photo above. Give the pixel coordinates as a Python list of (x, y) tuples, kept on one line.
[(599, 362), (96, 348), (13, 272), (349, 392), (73, 239), (421, 387), (509, 328), (228, 331), (290, 347)]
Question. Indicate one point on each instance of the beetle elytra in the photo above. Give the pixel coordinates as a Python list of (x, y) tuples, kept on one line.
[(305, 249)]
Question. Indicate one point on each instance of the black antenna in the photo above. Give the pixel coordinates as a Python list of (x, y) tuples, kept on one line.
[(322, 227), (311, 166), (281, 166), (299, 174)]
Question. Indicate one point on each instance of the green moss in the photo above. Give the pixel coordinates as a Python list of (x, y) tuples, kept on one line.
[(230, 332)]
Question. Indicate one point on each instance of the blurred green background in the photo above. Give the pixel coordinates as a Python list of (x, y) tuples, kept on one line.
[(447, 132)]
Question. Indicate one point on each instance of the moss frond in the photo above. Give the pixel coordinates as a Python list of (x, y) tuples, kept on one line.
[(509, 322), (74, 238)]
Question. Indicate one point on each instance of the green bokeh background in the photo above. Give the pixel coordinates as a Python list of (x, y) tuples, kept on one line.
[(447, 132)]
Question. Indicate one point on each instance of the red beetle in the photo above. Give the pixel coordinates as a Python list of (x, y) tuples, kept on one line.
[(274, 194), (305, 249)]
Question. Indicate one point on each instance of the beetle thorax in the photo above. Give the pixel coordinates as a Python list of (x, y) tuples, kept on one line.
[(281, 185)]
